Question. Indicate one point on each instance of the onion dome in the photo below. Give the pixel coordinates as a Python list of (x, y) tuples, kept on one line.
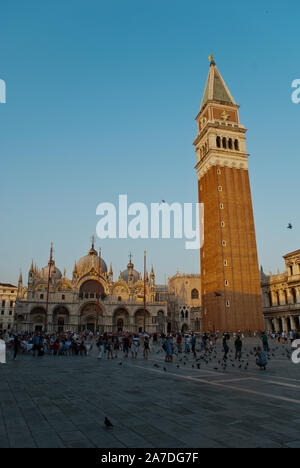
[(90, 261), (130, 274), (54, 272)]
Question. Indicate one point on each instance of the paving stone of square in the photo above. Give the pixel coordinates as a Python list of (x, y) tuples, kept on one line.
[(61, 401)]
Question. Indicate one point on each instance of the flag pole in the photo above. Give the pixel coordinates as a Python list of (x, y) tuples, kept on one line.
[(98, 293), (49, 277), (144, 291)]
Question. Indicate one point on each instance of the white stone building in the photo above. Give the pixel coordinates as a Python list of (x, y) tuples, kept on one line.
[(281, 296), (8, 295)]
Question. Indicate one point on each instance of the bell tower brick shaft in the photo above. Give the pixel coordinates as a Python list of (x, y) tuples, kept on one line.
[(230, 282)]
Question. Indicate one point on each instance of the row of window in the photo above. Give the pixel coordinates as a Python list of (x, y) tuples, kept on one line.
[(221, 142), (227, 143), (11, 303), (9, 313), (277, 302), (42, 296), (292, 271)]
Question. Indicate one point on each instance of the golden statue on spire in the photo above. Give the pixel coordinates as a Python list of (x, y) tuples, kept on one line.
[(211, 58)]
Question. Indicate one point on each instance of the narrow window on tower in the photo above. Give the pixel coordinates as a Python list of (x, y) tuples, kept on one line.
[(224, 243), (220, 188), (230, 143), (225, 263), (224, 142), (236, 145), (218, 142), (221, 206), (222, 224), (226, 283), (227, 303), (219, 171)]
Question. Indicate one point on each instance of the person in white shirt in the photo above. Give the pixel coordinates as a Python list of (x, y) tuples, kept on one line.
[(135, 346), (2, 352)]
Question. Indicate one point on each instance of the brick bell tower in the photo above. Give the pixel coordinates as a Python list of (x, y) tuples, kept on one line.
[(230, 282)]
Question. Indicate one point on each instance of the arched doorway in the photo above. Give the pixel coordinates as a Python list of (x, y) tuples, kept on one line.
[(60, 319), (38, 319), (121, 320), (184, 328), (91, 318), (141, 322), (60, 324)]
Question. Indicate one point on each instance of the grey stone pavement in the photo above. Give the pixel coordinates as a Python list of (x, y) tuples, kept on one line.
[(61, 402)]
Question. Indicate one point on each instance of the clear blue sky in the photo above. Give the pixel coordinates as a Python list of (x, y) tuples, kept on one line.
[(101, 100)]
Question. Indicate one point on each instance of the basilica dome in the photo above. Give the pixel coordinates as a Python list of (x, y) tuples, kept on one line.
[(55, 272), (130, 272), (90, 261)]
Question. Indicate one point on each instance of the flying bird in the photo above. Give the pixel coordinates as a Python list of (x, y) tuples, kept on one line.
[(290, 226)]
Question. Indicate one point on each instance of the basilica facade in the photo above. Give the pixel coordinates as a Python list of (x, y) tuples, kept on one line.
[(90, 300)]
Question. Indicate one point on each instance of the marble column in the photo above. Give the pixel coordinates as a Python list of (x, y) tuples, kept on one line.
[(269, 324), (284, 324), (276, 325), (293, 323)]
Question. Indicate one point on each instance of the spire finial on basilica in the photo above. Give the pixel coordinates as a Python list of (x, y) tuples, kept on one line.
[(130, 264), (211, 59), (92, 250)]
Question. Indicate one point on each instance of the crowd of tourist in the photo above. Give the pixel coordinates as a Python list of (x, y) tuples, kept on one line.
[(130, 345)]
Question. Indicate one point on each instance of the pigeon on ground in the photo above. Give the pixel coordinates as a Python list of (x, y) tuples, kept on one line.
[(107, 422)]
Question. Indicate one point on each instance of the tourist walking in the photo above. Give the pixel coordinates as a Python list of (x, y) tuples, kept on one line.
[(238, 348), (265, 342), (16, 346)]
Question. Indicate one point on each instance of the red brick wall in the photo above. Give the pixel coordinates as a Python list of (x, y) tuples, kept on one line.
[(242, 272)]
